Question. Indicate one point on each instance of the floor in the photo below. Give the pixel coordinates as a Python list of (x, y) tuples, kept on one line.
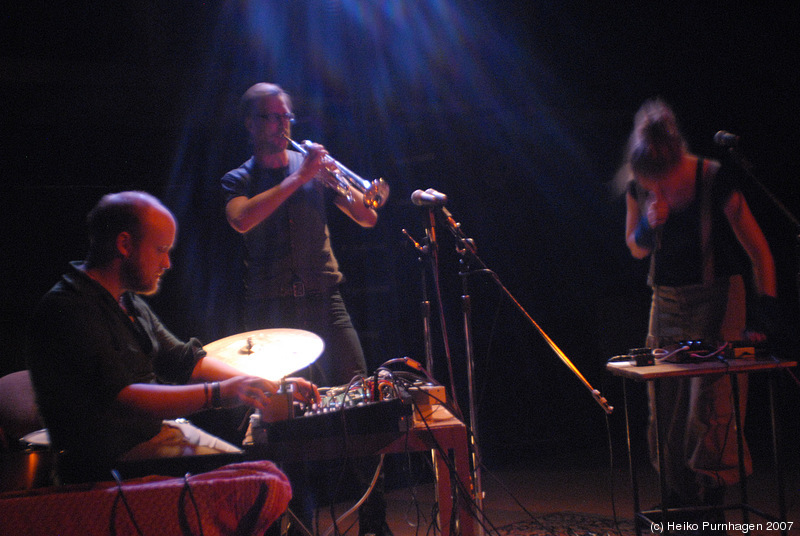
[(532, 482), (571, 480), (564, 479)]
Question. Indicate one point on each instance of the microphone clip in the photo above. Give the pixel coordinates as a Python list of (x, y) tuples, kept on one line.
[(467, 245)]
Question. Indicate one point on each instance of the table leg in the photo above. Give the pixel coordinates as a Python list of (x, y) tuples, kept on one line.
[(631, 464), (737, 425), (662, 464), (777, 455), (446, 489)]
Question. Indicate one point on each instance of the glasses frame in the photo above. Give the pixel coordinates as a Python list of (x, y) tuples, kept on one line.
[(276, 118)]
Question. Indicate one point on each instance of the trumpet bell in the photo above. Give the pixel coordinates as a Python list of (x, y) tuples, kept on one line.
[(376, 194)]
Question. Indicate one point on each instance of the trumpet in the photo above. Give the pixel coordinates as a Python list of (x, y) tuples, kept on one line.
[(337, 176)]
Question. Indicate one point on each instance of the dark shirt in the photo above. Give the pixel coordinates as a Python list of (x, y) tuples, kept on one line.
[(679, 259), (292, 245), (84, 350)]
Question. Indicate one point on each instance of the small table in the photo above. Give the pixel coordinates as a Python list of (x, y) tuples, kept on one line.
[(665, 371), (440, 432)]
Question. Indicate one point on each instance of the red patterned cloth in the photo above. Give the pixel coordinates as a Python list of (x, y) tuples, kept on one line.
[(241, 499)]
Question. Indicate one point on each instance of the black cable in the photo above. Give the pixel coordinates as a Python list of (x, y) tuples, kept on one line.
[(346, 445), (348, 459), (613, 495), (738, 426), (408, 382), (492, 331), (510, 494), (121, 496), (413, 487), (188, 490), (459, 485)]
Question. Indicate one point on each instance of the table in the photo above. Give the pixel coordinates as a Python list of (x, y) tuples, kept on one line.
[(663, 372), (440, 432)]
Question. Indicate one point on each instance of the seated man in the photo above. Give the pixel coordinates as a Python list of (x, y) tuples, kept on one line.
[(106, 372)]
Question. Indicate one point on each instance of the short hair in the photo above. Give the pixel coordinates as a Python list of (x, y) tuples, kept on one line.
[(656, 144), (114, 214), (257, 92)]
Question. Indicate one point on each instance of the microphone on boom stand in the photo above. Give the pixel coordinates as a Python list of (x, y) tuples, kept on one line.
[(726, 139), (428, 198)]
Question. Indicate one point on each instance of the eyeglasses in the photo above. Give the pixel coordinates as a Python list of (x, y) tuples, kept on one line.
[(276, 118)]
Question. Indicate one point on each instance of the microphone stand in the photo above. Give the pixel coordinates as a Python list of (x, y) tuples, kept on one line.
[(425, 304), (747, 167), (468, 252), (467, 247), (466, 311), (431, 249)]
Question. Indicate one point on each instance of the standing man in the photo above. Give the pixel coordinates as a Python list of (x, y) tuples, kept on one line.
[(106, 371), (292, 277)]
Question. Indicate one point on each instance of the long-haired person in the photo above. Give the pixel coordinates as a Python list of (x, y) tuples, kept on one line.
[(689, 216)]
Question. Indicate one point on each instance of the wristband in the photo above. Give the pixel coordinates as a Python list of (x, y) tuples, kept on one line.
[(643, 235), (205, 386), (216, 395)]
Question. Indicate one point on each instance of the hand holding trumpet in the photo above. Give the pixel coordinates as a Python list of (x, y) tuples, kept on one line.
[(313, 165), (337, 176)]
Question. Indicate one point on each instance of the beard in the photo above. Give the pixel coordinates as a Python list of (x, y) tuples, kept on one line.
[(135, 280), (273, 143)]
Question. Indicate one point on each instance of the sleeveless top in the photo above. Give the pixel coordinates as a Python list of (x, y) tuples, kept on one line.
[(292, 247), (697, 243)]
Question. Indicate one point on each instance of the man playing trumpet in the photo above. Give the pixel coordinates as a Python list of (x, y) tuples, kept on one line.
[(291, 274)]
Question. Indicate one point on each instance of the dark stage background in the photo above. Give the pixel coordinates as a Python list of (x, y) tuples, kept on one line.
[(517, 110)]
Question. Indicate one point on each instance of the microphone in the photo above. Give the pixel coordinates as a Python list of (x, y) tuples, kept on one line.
[(428, 198), (726, 139), (658, 233)]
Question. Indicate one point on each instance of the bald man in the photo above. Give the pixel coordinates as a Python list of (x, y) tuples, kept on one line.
[(110, 379)]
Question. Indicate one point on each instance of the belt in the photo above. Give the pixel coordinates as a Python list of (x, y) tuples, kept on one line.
[(299, 290)]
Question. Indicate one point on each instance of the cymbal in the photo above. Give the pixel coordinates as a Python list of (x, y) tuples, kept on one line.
[(268, 353)]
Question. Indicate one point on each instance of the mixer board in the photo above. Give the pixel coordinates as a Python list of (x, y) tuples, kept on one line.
[(370, 418), (355, 424)]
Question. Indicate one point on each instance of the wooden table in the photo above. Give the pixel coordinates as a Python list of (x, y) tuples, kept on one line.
[(665, 371), (440, 432)]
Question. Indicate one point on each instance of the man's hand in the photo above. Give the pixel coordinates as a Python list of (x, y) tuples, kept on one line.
[(313, 163), (304, 391), (246, 390), (254, 391)]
